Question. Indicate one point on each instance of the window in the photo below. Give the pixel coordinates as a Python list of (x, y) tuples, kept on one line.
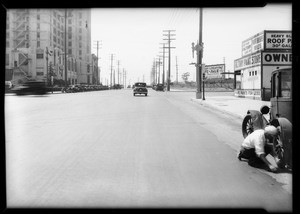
[(38, 44), (39, 55), (6, 59), (38, 26), (69, 21), (80, 52), (40, 73), (250, 73), (38, 35), (54, 22), (54, 38), (70, 29), (70, 44), (285, 84), (38, 17), (255, 72), (70, 51)]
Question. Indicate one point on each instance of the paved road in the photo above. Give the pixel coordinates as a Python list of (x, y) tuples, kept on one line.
[(110, 149)]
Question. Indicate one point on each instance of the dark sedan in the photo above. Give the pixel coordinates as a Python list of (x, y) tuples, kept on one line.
[(31, 87)]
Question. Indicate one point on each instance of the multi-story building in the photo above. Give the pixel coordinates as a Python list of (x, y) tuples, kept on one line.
[(35, 45)]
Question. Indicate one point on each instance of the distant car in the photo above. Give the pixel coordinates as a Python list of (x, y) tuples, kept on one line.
[(31, 87), (159, 87), (140, 88)]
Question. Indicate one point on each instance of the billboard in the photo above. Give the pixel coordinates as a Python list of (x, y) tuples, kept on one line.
[(214, 71), (253, 44), (278, 40), (277, 58), (267, 40)]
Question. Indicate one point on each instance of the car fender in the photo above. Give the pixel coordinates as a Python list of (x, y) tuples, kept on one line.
[(259, 121)]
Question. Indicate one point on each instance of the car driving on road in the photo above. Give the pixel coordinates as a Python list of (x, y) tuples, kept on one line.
[(140, 88), (31, 87)]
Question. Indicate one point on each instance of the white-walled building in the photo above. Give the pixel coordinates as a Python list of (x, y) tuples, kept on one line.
[(262, 54), (31, 32)]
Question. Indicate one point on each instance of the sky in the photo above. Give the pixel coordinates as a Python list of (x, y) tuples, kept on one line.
[(134, 36)]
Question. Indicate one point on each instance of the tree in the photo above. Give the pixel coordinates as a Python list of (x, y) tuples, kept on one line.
[(185, 76)]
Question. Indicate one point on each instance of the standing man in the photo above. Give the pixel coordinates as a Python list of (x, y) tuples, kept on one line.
[(255, 147)]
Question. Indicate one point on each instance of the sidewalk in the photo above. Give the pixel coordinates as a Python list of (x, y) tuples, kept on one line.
[(232, 105)]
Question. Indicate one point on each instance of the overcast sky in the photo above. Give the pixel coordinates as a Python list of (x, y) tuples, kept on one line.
[(134, 35)]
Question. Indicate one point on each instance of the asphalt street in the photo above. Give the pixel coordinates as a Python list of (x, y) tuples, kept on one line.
[(111, 149)]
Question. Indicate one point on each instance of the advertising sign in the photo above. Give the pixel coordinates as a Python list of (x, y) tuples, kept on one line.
[(247, 61), (278, 40), (253, 44), (214, 71), (277, 58)]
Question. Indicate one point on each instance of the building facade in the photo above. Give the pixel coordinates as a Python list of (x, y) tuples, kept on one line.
[(35, 45), (262, 54)]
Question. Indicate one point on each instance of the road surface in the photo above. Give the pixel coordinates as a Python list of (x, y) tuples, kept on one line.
[(111, 149)]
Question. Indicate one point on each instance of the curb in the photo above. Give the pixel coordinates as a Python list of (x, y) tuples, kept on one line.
[(210, 106)]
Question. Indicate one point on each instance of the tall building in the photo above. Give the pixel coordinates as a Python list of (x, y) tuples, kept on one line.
[(35, 45)]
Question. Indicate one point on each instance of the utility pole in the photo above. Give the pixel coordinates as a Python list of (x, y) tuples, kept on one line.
[(199, 51), (111, 68), (158, 70), (118, 71), (169, 47), (176, 71), (124, 77), (66, 71), (97, 77), (163, 79)]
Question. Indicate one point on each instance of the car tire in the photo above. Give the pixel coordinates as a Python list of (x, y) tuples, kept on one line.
[(146, 95), (134, 95)]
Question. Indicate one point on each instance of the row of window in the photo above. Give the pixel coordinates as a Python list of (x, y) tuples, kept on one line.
[(252, 73)]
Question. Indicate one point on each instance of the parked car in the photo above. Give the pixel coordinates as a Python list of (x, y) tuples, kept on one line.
[(159, 87), (280, 116), (140, 88), (31, 87)]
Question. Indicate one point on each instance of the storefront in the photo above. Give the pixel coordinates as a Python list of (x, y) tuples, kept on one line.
[(262, 54)]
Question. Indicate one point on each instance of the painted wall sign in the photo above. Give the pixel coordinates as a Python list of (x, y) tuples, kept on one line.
[(277, 58), (278, 40), (247, 61), (253, 44)]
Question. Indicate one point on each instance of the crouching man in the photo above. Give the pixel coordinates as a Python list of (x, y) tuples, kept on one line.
[(255, 147)]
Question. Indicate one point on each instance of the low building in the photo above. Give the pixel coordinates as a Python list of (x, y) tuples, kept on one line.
[(261, 54)]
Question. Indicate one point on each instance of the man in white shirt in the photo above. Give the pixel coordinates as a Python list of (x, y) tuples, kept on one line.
[(255, 148)]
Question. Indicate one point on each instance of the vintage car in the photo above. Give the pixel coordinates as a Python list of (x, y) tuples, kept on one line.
[(280, 116), (140, 88), (159, 87), (31, 87)]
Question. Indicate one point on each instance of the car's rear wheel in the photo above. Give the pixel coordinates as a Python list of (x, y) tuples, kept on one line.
[(133, 94)]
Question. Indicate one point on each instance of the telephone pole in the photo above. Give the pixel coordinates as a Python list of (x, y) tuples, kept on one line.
[(199, 50), (176, 71), (158, 69), (66, 71), (111, 68), (163, 56), (118, 71), (169, 47), (97, 77)]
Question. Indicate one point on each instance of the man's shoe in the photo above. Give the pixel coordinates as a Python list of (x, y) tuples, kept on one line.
[(239, 156)]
